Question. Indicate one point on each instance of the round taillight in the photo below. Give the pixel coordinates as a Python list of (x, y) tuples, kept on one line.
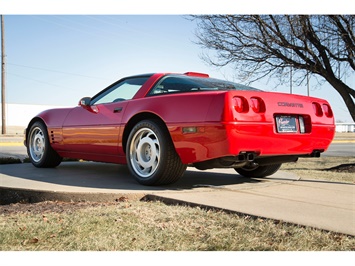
[(240, 104), (257, 104), (317, 109), (327, 110)]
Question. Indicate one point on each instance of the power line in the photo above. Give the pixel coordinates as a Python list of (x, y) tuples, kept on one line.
[(39, 81), (84, 28), (57, 71), (93, 29)]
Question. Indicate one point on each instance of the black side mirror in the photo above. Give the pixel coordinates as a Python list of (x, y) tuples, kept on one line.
[(85, 102)]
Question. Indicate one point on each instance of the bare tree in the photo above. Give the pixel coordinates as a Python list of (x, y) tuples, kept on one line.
[(261, 46)]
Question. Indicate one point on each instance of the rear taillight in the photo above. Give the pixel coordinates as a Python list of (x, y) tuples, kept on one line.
[(257, 104), (305, 124), (317, 109), (327, 110), (240, 104), (302, 125)]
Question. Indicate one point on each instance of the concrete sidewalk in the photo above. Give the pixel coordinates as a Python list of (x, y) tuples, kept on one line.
[(320, 204), (329, 206)]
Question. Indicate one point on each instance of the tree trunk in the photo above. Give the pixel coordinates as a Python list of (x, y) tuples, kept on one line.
[(345, 92)]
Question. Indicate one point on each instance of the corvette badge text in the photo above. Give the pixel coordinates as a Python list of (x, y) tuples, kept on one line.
[(286, 104)]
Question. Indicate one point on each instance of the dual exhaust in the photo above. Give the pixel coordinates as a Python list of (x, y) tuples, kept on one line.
[(246, 156), (238, 161)]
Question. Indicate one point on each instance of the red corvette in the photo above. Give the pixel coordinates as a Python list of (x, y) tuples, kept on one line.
[(158, 124)]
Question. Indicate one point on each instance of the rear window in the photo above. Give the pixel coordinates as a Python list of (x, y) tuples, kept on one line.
[(179, 84)]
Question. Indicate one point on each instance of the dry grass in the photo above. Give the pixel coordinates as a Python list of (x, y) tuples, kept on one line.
[(154, 226), (314, 168)]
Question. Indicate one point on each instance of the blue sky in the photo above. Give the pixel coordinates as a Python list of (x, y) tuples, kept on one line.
[(57, 59), (82, 54)]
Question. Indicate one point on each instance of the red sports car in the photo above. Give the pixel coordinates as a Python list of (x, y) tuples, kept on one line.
[(158, 124)]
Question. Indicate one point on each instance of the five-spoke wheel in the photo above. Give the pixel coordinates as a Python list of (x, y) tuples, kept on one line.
[(151, 156), (39, 150), (145, 152), (36, 144)]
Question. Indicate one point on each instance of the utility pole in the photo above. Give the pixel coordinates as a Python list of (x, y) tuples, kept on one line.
[(307, 83), (3, 115), (291, 68)]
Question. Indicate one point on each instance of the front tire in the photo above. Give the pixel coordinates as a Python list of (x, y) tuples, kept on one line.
[(151, 155), (39, 149), (259, 171)]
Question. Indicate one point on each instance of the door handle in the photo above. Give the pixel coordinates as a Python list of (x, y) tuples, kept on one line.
[(117, 109)]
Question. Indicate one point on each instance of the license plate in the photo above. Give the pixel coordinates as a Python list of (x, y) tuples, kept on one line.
[(286, 124)]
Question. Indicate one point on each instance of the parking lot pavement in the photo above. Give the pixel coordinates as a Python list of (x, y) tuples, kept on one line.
[(320, 204)]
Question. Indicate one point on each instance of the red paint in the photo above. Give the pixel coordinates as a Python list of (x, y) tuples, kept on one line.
[(227, 123)]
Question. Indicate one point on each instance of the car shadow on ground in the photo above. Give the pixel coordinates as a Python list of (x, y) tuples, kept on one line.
[(112, 176)]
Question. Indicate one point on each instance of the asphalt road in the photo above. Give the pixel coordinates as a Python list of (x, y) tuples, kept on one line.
[(341, 149)]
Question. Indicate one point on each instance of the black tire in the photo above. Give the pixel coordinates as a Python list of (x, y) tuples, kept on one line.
[(39, 149), (151, 155), (259, 171)]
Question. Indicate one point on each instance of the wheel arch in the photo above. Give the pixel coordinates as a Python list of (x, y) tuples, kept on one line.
[(33, 120), (136, 119)]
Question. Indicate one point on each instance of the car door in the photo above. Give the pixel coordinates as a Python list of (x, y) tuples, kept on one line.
[(94, 127)]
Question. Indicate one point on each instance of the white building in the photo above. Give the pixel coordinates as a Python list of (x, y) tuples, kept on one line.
[(21, 114), (345, 127)]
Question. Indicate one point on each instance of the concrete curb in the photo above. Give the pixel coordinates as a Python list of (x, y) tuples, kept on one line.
[(11, 195), (18, 195), (171, 201)]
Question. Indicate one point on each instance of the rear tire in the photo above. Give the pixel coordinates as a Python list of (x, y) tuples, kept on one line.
[(39, 149), (259, 171), (151, 155)]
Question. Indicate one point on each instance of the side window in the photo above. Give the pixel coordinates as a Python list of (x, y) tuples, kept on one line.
[(174, 85), (179, 84), (121, 91)]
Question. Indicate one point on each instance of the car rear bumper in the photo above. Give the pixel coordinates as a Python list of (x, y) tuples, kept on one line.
[(263, 139), (218, 140)]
